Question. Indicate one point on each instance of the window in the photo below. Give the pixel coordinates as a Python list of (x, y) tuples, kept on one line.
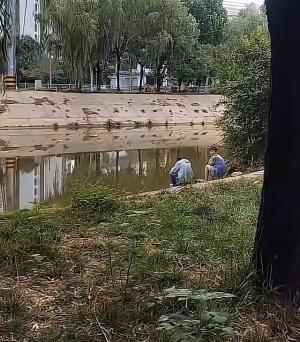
[(36, 7)]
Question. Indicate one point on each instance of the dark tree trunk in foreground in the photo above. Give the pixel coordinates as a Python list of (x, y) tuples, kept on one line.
[(277, 252)]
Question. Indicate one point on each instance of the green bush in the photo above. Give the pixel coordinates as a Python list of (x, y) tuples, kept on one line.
[(93, 197), (245, 84)]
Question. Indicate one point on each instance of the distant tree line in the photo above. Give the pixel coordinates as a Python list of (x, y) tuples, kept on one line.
[(172, 37)]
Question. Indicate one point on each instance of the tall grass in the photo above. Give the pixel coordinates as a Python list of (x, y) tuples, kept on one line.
[(95, 271)]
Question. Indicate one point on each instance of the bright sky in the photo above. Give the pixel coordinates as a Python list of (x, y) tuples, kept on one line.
[(258, 2)]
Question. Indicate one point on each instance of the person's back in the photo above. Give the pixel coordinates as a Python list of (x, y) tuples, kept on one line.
[(185, 174), (182, 172), (219, 165)]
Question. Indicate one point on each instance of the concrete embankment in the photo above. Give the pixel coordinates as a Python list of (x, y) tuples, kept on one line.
[(254, 176), (36, 109)]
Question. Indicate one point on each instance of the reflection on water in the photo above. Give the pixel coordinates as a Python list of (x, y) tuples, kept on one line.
[(25, 181)]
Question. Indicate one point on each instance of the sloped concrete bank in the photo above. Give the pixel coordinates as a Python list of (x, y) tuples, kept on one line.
[(36, 109)]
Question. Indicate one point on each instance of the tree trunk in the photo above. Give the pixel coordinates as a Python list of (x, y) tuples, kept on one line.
[(158, 70), (141, 77), (130, 80), (91, 78), (179, 86), (118, 71), (99, 77), (277, 249)]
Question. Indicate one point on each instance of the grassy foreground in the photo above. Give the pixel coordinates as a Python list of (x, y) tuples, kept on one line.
[(168, 269)]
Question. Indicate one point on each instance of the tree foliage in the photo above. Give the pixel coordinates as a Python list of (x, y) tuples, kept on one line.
[(173, 32), (193, 64), (211, 18), (249, 20), (157, 34), (76, 33), (244, 71), (29, 53)]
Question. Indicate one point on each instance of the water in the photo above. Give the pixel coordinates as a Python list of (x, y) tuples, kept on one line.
[(25, 181)]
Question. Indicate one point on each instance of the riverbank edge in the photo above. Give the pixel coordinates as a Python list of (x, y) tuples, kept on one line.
[(253, 176), (110, 125)]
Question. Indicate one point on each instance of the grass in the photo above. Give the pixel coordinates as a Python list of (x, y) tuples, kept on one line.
[(101, 269)]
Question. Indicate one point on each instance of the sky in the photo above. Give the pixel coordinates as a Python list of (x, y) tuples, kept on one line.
[(258, 2)]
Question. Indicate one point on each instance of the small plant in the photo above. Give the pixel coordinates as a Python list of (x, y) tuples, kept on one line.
[(94, 197), (194, 322)]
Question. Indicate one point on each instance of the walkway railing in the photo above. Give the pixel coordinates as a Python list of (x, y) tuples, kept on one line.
[(108, 88)]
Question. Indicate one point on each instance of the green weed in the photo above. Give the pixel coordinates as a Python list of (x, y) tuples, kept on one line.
[(93, 271)]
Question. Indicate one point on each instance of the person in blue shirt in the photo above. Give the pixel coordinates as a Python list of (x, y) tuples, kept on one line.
[(182, 173), (216, 167)]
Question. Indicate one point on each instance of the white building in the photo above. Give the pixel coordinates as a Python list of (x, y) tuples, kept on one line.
[(29, 24), (132, 81), (233, 7), (126, 78)]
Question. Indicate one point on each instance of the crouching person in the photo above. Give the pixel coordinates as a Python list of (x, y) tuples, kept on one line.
[(182, 173), (217, 167)]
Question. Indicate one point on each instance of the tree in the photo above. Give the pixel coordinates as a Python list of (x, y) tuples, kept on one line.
[(194, 65), (171, 30), (77, 33), (211, 18), (137, 48), (125, 26), (29, 57), (277, 249), (244, 73), (249, 20), (85, 35)]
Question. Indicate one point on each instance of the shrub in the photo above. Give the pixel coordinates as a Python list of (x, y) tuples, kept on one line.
[(245, 84), (93, 198)]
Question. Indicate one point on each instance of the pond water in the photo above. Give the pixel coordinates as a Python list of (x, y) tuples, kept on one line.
[(25, 181)]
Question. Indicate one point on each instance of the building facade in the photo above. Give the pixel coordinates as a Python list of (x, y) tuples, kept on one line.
[(29, 25)]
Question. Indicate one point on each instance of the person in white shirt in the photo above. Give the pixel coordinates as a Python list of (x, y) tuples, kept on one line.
[(182, 173)]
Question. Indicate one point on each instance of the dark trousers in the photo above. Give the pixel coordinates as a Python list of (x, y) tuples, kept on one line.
[(173, 177)]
